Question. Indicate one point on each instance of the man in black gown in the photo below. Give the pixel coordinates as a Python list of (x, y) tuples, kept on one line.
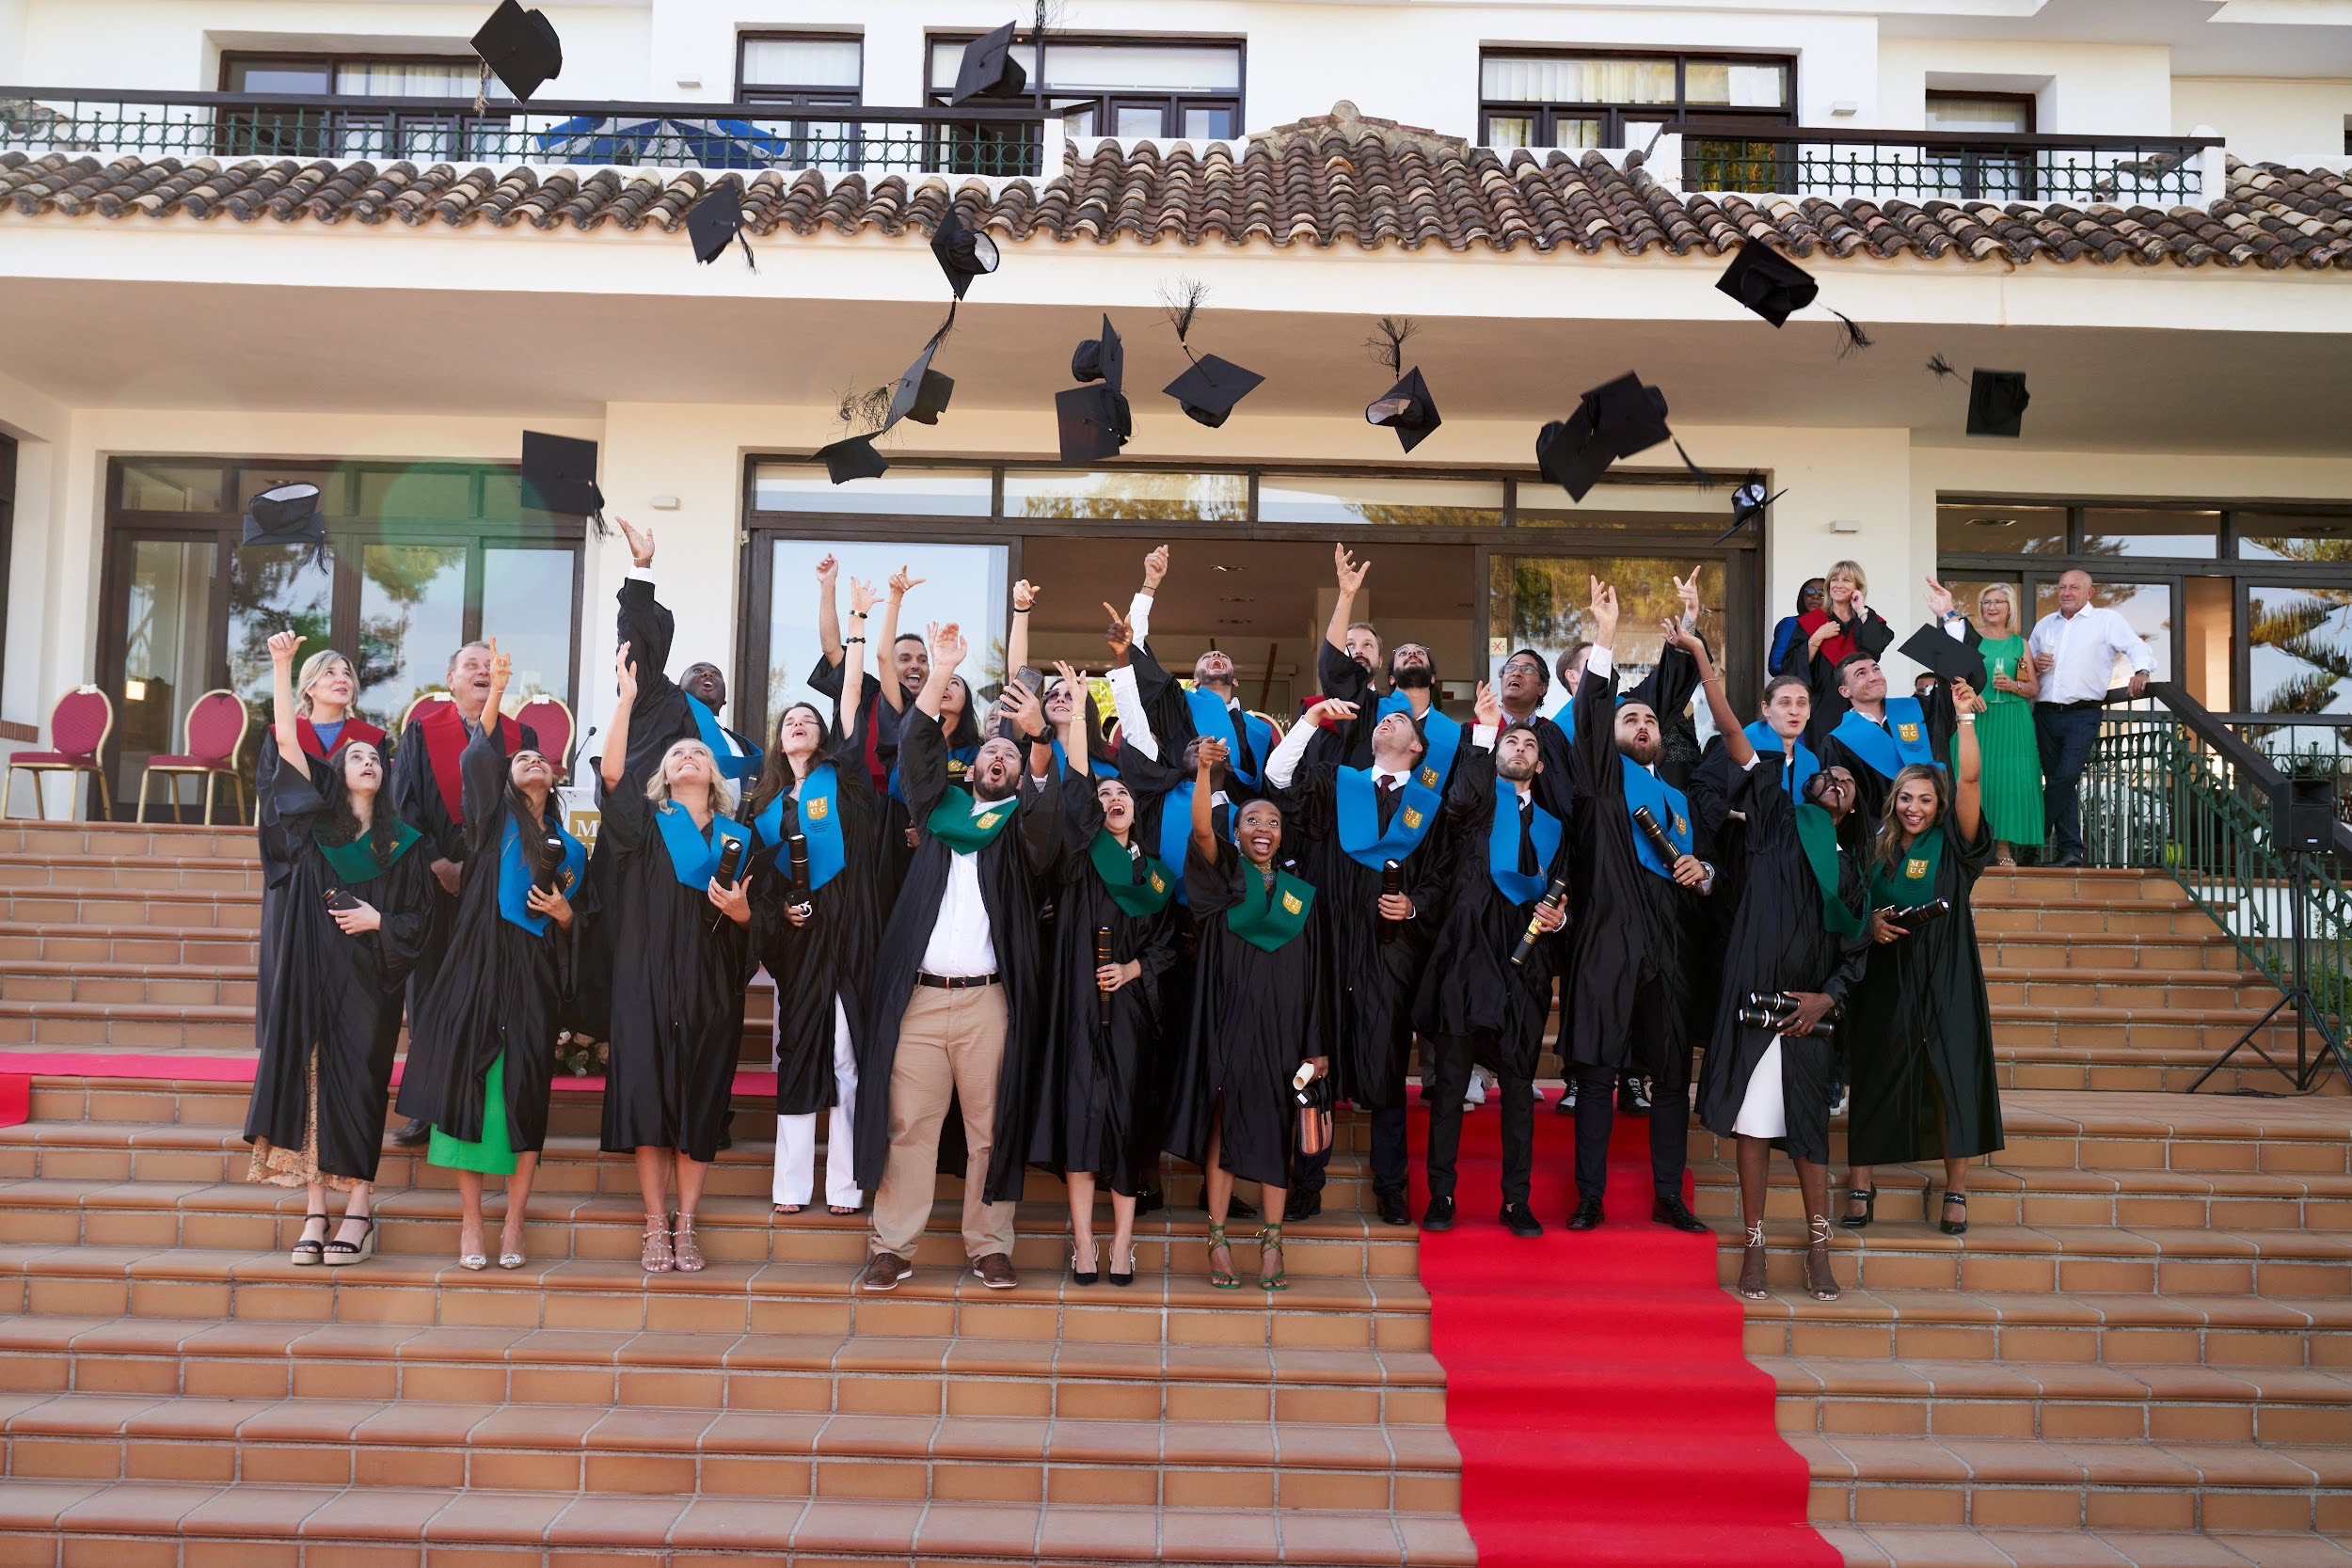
[(958, 991), (1873, 736)]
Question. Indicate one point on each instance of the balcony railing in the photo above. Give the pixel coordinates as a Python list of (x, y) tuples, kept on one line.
[(746, 137), (1944, 166)]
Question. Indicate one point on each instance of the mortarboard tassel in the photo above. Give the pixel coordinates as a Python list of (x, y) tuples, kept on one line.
[(1940, 367), (1855, 340), (1705, 480)]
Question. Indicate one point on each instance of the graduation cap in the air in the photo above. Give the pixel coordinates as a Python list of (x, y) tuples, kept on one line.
[(963, 254), (1569, 453), (1094, 423), (1997, 402), (1615, 420), (716, 221), (922, 393), (288, 515), (1102, 360), (559, 475), (852, 457), (1943, 656), (1776, 288), (988, 69), (1406, 408), (520, 48), (1209, 388), (1750, 500)]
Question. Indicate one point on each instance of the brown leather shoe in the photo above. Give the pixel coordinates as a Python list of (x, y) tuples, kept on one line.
[(884, 1271), (995, 1271)]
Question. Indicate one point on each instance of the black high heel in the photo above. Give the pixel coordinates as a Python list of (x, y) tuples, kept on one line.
[(1868, 1198), (1950, 1227), (1085, 1275), (1128, 1277)]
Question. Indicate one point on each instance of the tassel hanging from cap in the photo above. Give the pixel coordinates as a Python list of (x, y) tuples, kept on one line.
[(1698, 475), (482, 90), (1853, 340)]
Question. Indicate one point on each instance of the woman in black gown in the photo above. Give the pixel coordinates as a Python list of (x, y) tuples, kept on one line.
[(344, 932), (678, 966), (482, 1045), (818, 941), (1097, 1122), (1254, 1017), (1924, 1085)]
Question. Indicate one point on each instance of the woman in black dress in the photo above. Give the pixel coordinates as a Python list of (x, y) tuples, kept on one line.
[(679, 959), (1254, 1017), (345, 931), (1098, 1122), (1924, 1085)]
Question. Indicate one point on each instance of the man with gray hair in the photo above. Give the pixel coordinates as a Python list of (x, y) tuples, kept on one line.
[(2075, 649)]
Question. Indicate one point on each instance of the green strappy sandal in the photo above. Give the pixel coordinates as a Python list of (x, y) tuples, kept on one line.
[(1220, 1280), (1270, 1239)]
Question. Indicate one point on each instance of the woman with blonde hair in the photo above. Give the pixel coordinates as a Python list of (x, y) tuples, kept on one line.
[(2012, 760), (679, 962), (1844, 626)]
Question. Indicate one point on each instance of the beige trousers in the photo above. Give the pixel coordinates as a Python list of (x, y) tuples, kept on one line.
[(949, 1042)]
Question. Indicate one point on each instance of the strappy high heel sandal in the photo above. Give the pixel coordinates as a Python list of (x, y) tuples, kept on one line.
[(1951, 1226), (1752, 1264), (1270, 1241), (1818, 1275), (1868, 1199), (1224, 1278), (1087, 1275), (657, 1256), (688, 1256), (308, 1252), (339, 1252), (1127, 1278)]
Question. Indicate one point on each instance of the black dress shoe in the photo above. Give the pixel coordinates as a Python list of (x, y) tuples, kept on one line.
[(1519, 1220), (1441, 1214), (1148, 1201), (1674, 1211), (1301, 1205), (1392, 1210), (1587, 1216), (417, 1131), (1240, 1211), (1566, 1104)]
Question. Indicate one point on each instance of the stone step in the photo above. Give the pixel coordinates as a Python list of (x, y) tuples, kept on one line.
[(128, 873), (2054, 952), (1880, 1546), (152, 841), (151, 985), (2228, 1201), (2135, 989), (2130, 1071), (172, 909), (2109, 917), (152, 944)]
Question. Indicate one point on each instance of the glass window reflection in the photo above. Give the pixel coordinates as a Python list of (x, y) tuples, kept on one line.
[(2151, 531), (412, 616), (2299, 649)]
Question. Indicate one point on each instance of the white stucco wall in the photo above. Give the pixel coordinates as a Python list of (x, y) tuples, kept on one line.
[(2290, 122), (2080, 88)]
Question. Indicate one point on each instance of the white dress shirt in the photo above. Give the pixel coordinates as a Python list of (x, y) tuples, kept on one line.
[(961, 945), (2086, 648)]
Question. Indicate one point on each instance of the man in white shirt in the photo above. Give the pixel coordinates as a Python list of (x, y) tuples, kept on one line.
[(2075, 650)]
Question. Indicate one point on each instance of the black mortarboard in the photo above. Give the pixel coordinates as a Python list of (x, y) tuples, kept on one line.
[(988, 69), (1628, 416), (715, 220), (922, 393), (1208, 390), (1407, 409), (520, 48), (1102, 360), (1094, 423), (559, 475), (1768, 283), (1997, 402), (1750, 500), (1945, 656), (1568, 452), (963, 254), (854, 457), (288, 515)]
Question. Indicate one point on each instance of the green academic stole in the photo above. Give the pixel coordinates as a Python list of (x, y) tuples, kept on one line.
[(355, 862), (1117, 867), (1910, 880), (1270, 920), (952, 823), (1817, 832)]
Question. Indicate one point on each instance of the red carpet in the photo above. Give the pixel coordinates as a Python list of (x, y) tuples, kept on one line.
[(1595, 1384)]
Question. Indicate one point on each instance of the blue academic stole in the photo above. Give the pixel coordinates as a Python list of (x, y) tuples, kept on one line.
[(819, 823), (707, 726), (1665, 803), (1564, 715), (693, 858), (1765, 739), (515, 875), (1502, 845), (1100, 768), (1442, 737), (1176, 830), (1357, 802), (1212, 720), (1902, 743)]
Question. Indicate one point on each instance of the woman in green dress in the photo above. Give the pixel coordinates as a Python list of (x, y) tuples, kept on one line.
[(2012, 763)]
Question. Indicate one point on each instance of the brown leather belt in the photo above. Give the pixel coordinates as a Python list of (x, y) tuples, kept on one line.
[(953, 982)]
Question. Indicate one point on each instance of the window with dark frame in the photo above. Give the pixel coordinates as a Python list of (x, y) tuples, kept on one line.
[(803, 71), (304, 132), (1980, 174), (1109, 85), (1596, 98)]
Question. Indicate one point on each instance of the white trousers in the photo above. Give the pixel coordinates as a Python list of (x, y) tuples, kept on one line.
[(796, 1136), (1763, 1112)]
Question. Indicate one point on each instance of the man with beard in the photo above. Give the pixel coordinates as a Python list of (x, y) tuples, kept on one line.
[(957, 991), (1412, 675), (1875, 736)]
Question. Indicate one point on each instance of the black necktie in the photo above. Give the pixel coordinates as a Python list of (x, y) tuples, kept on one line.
[(1245, 761), (1528, 866), (1387, 788)]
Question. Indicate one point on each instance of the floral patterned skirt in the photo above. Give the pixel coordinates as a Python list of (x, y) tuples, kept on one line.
[(298, 1167)]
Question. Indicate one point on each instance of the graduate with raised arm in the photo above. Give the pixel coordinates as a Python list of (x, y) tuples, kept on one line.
[(1413, 680), (1099, 1082), (1349, 824), (669, 710), (816, 934), (350, 922), (1479, 1005), (1623, 998), (876, 720), (482, 1048), (679, 961), (1859, 727), (1211, 708), (1256, 1013), (1160, 779)]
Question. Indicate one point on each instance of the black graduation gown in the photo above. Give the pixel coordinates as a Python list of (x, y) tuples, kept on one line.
[(1471, 988), (501, 987), (416, 797), (1368, 985), (1870, 634), (1718, 837), (831, 957), (1170, 711), (1255, 1016), (1871, 786), (1778, 942), (677, 992), (276, 869), (1921, 1034), (1012, 865), (337, 994), (1098, 1088)]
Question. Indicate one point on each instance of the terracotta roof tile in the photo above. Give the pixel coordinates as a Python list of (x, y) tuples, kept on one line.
[(1335, 180)]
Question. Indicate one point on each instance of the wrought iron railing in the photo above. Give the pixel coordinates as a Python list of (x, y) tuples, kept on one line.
[(2172, 788), (112, 124), (1942, 165)]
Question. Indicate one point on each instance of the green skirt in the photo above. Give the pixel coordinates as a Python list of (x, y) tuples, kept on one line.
[(2013, 772), (494, 1155)]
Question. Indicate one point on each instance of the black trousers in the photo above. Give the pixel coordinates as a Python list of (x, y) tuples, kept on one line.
[(1670, 1105), (1390, 1158), (1451, 1056)]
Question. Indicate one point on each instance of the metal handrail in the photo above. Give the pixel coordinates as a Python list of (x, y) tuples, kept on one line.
[(1732, 154)]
